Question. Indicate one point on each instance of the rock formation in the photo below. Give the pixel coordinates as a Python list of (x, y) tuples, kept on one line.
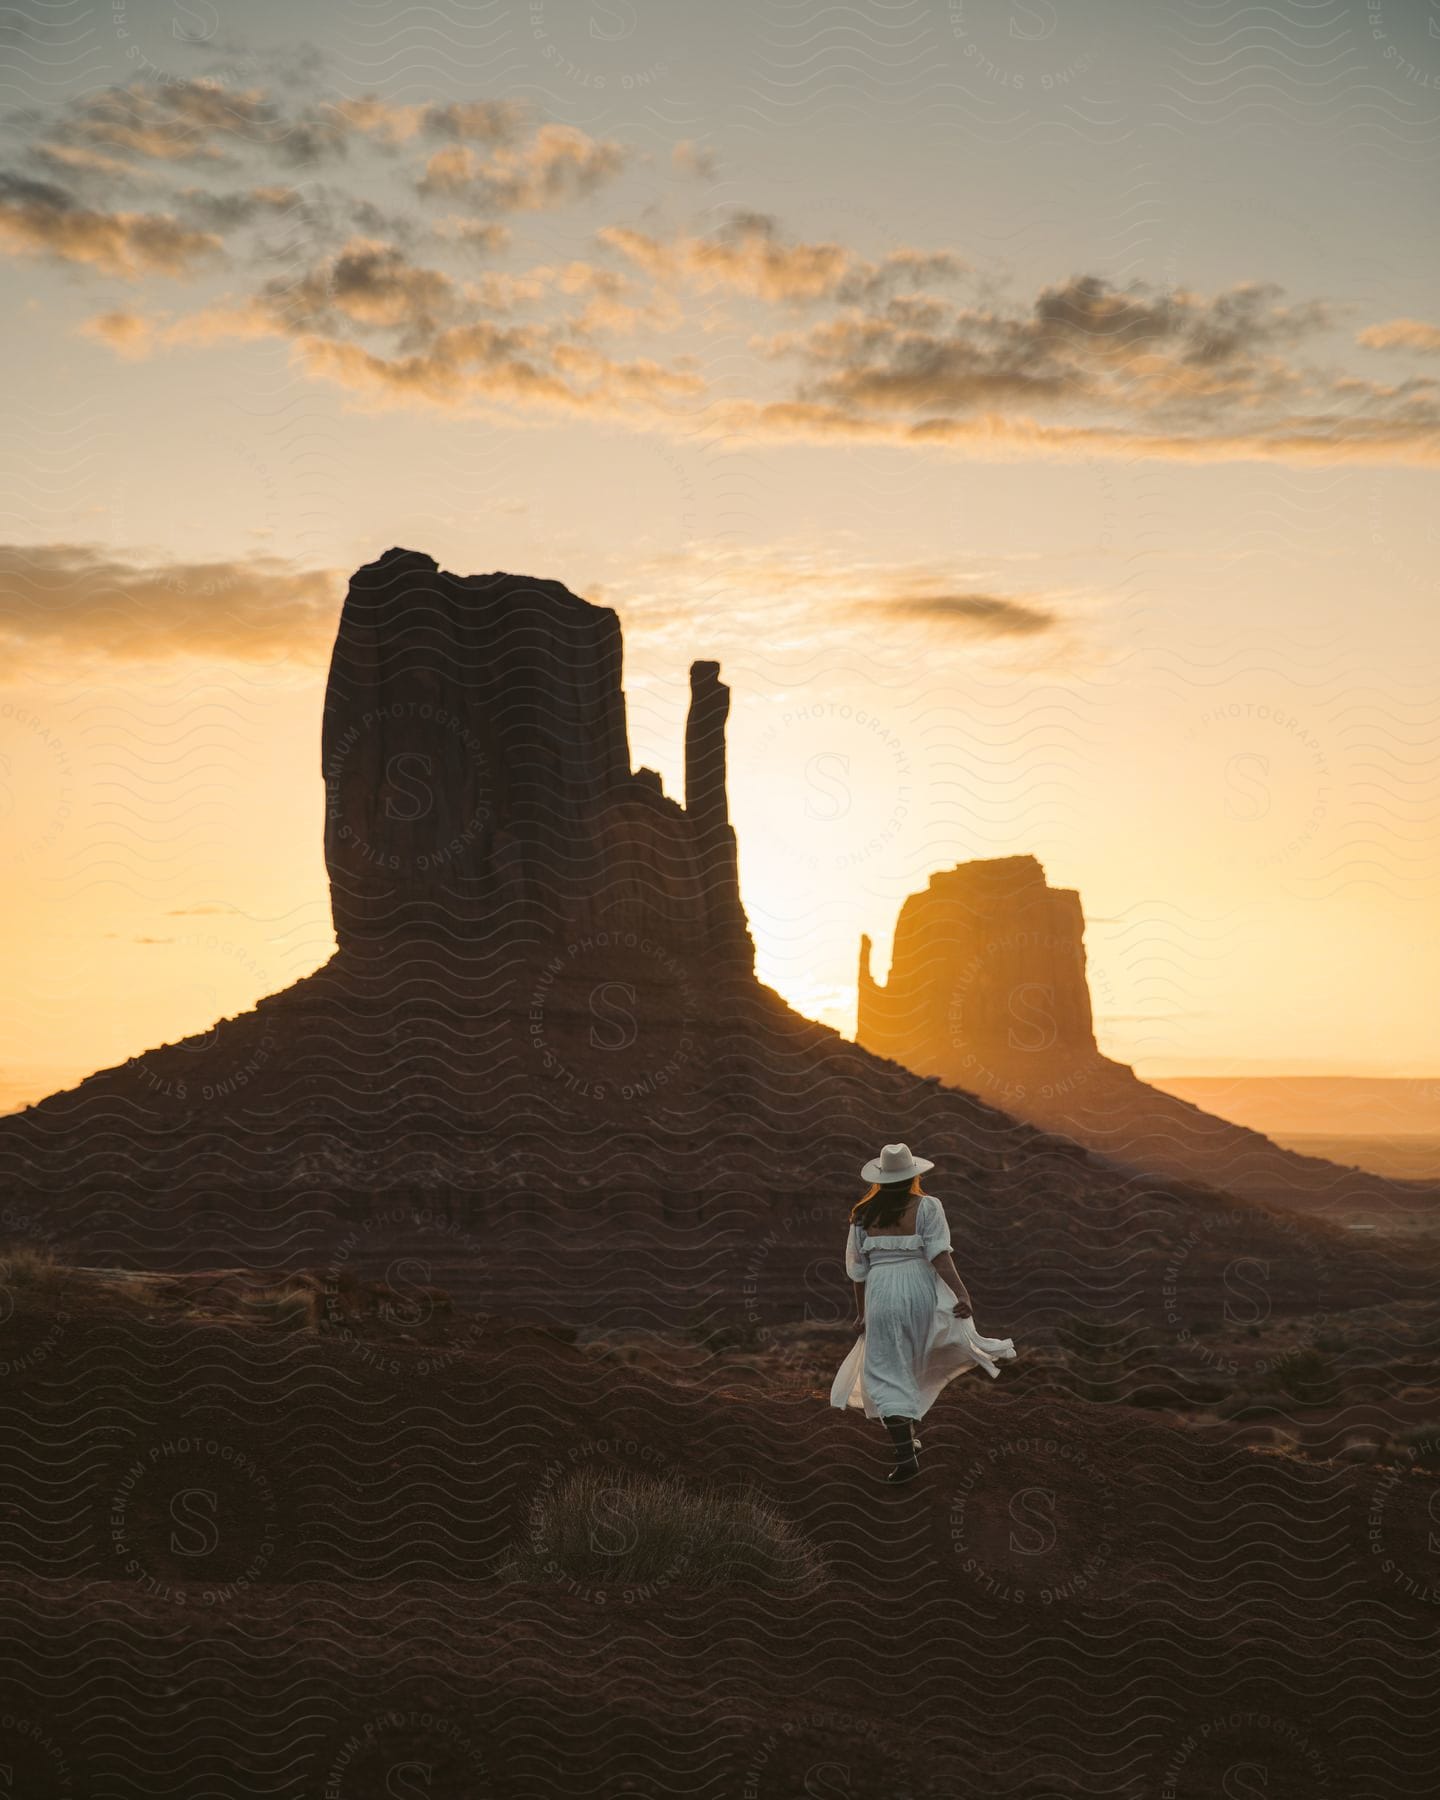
[(478, 782), (987, 973), (987, 990)]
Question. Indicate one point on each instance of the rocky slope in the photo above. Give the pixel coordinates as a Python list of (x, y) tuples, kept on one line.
[(248, 1556)]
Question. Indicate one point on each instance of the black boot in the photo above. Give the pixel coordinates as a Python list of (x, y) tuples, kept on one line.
[(902, 1436)]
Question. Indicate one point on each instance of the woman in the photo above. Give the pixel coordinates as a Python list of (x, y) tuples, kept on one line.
[(915, 1320)]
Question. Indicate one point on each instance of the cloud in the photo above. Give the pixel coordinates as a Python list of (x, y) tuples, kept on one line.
[(472, 121), (787, 588), (520, 366), (39, 219), (485, 239), (62, 601), (560, 164), (378, 119), (901, 348), (80, 160), (129, 334), (1410, 436), (749, 255), (1082, 341), (981, 615), (448, 347), (690, 158), (169, 121), (478, 121), (224, 212), (1096, 369), (208, 122), (369, 284), (1402, 334), (135, 336)]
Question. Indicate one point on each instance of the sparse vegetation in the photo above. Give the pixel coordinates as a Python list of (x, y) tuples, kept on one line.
[(23, 1265), (600, 1529), (1247, 1404), (710, 1328), (1308, 1378), (1422, 1441), (1098, 1353), (292, 1304)]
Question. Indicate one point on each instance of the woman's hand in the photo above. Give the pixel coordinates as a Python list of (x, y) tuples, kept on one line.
[(944, 1267)]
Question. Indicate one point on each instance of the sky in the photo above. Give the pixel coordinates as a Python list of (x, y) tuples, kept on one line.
[(1033, 407)]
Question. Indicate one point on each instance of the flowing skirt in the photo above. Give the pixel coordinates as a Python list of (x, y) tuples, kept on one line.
[(912, 1345)]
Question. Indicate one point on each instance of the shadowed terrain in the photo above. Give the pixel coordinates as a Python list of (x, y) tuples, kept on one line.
[(261, 1556)]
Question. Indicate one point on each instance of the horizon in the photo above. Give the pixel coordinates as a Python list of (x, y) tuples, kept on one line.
[(1024, 516)]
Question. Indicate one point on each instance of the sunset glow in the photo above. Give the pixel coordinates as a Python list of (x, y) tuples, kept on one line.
[(1021, 516)]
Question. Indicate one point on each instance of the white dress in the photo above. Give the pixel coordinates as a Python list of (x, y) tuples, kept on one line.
[(913, 1341)]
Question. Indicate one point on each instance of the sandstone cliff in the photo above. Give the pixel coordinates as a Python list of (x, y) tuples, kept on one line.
[(987, 990), (477, 774), (1002, 955)]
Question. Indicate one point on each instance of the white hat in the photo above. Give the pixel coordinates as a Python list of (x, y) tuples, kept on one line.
[(895, 1163)]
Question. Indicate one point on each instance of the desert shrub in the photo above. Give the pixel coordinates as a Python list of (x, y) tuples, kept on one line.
[(1421, 1438), (1307, 1377), (1157, 1397), (707, 1326), (1246, 1405), (1098, 1352), (634, 1532), (1081, 1333), (22, 1265), (291, 1305), (342, 1297)]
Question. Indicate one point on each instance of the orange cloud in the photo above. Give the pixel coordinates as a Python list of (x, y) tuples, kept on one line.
[(72, 599), (37, 219), (138, 335), (479, 121), (1402, 334), (171, 121), (1323, 438), (128, 334), (560, 164), (690, 158), (486, 238), (749, 256), (509, 366)]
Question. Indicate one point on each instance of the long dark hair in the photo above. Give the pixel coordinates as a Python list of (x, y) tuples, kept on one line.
[(884, 1204)]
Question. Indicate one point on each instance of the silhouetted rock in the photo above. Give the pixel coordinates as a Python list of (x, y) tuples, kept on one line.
[(478, 781), (1002, 954), (987, 990)]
